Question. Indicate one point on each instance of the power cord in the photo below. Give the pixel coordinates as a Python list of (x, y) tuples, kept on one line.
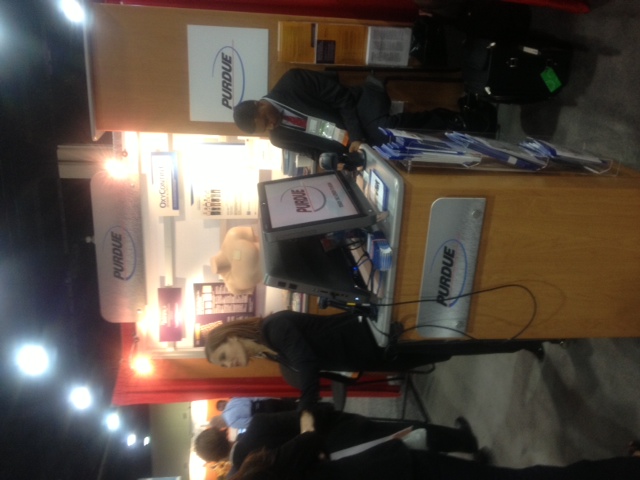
[(477, 292), (357, 241)]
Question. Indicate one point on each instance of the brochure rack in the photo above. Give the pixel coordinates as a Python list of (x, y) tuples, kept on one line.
[(469, 152)]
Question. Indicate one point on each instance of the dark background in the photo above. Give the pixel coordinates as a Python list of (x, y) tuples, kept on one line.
[(48, 282)]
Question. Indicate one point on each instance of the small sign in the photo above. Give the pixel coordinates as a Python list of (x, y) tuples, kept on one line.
[(453, 242), (164, 198), (119, 247), (378, 192), (388, 46), (171, 319), (550, 79), (226, 66)]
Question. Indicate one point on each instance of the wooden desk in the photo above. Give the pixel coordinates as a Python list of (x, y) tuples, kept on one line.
[(573, 240)]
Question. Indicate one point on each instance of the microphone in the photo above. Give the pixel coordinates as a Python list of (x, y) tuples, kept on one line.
[(347, 161)]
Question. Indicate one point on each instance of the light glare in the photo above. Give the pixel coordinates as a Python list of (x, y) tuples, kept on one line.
[(131, 439), (81, 398), (117, 169), (113, 421), (72, 10), (142, 365), (32, 360)]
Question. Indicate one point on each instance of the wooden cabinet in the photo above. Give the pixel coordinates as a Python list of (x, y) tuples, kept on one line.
[(572, 240)]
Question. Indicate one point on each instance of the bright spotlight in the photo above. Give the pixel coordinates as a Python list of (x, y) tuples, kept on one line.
[(72, 10), (113, 421), (146, 441), (32, 360), (131, 439), (142, 365), (81, 398), (117, 169)]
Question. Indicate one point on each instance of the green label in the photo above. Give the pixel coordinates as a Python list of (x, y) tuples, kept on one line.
[(550, 79)]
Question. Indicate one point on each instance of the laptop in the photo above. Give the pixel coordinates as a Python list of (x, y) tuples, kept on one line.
[(302, 265), (312, 205)]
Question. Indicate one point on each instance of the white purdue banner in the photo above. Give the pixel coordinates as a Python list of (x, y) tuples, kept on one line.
[(117, 228), (226, 66)]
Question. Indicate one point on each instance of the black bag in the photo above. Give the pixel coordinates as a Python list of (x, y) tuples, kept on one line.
[(508, 72)]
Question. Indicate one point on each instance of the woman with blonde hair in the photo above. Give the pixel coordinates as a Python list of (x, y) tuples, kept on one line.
[(306, 345)]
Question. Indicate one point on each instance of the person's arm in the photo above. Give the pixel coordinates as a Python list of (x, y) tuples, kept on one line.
[(355, 146), (326, 88), (285, 337), (237, 413), (307, 422)]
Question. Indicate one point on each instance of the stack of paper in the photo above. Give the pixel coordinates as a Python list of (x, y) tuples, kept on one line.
[(420, 147), (565, 155), (504, 152)]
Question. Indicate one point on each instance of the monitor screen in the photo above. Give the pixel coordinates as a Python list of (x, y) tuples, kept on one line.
[(312, 204), (303, 265)]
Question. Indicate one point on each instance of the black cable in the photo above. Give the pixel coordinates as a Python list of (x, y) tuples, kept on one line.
[(396, 337), (356, 240), (477, 292)]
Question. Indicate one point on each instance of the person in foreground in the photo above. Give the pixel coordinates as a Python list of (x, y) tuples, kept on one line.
[(307, 345), (304, 459), (311, 112), (339, 431)]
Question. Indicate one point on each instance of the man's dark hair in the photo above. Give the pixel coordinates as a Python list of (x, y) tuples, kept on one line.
[(212, 445), (244, 114)]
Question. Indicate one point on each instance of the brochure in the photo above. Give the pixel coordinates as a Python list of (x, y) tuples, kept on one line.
[(566, 155), (502, 151)]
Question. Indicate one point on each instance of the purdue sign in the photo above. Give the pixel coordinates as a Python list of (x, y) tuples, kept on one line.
[(453, 242), (119, 252)]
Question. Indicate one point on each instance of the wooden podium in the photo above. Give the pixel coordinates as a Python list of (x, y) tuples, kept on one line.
[(572, 240)]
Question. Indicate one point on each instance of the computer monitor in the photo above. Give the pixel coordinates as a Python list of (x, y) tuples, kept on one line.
[(303, 265), (312, 205)]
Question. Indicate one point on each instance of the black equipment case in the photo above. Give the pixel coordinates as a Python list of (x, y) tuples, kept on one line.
[(507, 72)]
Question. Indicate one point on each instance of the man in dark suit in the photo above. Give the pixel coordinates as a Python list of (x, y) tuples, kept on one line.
[(340, 430), (311, 112), (304, 458)]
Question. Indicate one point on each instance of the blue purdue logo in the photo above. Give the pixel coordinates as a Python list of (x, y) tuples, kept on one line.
[(229, 76), (119, 247), (305, 199), (450, 266)]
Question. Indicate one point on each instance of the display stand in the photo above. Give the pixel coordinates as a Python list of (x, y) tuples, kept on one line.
[(561, 251)]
